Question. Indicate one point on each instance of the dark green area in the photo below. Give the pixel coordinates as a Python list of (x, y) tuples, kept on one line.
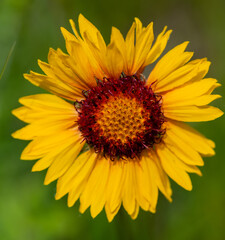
[(27, 208)]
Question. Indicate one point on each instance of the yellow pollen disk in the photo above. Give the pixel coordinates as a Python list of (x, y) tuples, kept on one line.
[(121, 118)]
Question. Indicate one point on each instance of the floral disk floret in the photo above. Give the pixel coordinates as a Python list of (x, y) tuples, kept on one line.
[(108, 135)]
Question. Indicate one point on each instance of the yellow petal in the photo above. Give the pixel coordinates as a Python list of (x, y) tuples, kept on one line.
[(158, 46), (82, 67), (111, 214), (110, 59), (25, 114), (40, 146), (42, 127), (29, 115), (42, 110), (69, 69), (181, 149), (128, 189), (62, 66), (83, 64), (158, 174), (118, 40), (193, 113), (42, 164), (136, 211), (82, 60), (144, 39), (191, 168), (189, 72), (193, 93), (171, 166), (46, 101), (52, 85), (174, 59), (75, 179), (143, 184), (114, 62), (94, 192), (193, 138), (90, 29), (99, 187), (130, 50), (139, 27), (98, 54), (67, 35), (53, 153), (74, 29), (63, 161), (147, 186), (115, 183), (183, 165), (203, 100)]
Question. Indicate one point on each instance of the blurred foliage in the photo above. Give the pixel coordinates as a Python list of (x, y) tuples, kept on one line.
[(28, 209)]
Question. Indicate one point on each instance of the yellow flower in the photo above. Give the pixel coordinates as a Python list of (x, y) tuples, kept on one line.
[(117, 137)]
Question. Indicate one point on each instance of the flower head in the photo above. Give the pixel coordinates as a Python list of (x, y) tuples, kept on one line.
[(109, 135)]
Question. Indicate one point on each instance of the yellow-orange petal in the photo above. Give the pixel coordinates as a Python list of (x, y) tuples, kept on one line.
[(75, 179), (128, 192), (192, 137), (192, 71), (59, 167), (144, 39), (52, 85), (159, 174), (111, 214), (94, 191), (174, 59), (42, 145), (53, 158), (114, 187), (158, 46), (191, 93), (171, 166), (86, 27), (193, 113), (181, 149)]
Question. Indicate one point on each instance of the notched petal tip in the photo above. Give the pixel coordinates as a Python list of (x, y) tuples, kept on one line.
[(164, 30), (136, 19), (42, 63)]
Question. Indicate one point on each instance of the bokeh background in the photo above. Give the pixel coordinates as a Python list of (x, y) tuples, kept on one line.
[(28, 210)]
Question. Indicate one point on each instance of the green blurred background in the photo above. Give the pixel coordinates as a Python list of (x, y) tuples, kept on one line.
[(27, 207)]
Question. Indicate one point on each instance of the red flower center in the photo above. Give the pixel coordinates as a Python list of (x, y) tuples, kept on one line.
[(120, 118)]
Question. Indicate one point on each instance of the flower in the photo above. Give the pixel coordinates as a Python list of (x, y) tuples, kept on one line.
[(118, 136)]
